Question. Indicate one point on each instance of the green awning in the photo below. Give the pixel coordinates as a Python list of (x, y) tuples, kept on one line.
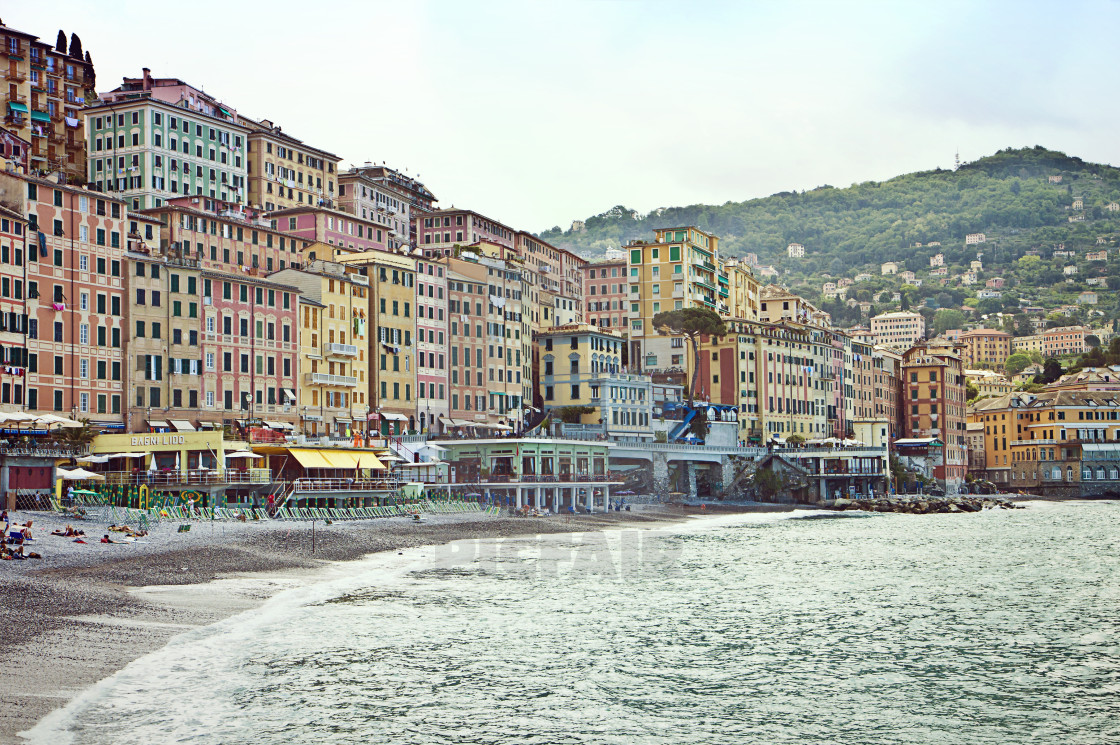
[(39, 116), (20, 107), (224, 111)]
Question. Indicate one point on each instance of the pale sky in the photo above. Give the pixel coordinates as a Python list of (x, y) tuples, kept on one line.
[(537, 113)]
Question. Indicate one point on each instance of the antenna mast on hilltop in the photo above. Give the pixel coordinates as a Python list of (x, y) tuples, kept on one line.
[(957, 162)]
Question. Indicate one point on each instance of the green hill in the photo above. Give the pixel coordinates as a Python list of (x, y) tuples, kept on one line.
[(1007, 196)]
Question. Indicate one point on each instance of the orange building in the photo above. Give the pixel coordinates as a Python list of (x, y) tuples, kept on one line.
[(985, 348), (934, 400)]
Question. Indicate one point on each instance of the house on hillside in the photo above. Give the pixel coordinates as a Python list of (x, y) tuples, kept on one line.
[(889, 267), (1053, 179), (1097, 256), (976, 265), (989, 294), (995, 283), (1078, 203), (1070, 270), (1097, 281), (940, 271), (1112, 207), (844, 282), (1102, 240), (795, 250), (751, 259), (908, 276), (973, 238), (968, 278), (1087, 298), (937, 260), (863, 277)]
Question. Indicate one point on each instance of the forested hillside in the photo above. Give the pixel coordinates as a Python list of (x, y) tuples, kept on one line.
[(1013, 196)]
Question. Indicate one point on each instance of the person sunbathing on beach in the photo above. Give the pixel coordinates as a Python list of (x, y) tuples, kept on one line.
[(106, 539)]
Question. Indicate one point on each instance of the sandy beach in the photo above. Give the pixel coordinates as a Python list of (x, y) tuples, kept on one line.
[(85, 611)]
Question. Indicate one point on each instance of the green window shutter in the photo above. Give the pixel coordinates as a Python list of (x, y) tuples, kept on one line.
[(674, 253), (636, 256)]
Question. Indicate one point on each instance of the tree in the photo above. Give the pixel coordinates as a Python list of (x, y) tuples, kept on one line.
[(767, 483), (1016, 363), (884, 297), (693, 323), (699, 425), (1093, 340), (971, 391), (60, 43), (946, 319), (75, 46), (795, 440), (1051, 371)]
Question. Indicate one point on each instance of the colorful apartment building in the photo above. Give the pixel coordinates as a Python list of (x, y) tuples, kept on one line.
[(985, 348), (778, 304), (282, 171), (385, 197), (391, 339), (74, 245), (581, 366), (432, 383), (15, 150), (155, 139), (606, 299), (342, 232), (888, 389), (43, 89), (441, 230), (333, 346), (226, 237), (678, 269), (934, 401), (1063, 341), (900, 329), (490, 337), (13, 307)]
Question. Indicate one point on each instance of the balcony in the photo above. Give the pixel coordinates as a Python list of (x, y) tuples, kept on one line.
[(349, 381), (342, 350), (679, 292)]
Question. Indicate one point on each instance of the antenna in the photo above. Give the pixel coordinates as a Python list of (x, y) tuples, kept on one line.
[(957, 165)]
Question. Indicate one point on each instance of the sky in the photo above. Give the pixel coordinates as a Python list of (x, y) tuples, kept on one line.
[(538, 113)]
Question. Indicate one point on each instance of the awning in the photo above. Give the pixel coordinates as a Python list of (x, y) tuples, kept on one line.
[(20, 107), (158, 423), (128, 455), (311, 458), (39, 116), (368, 460), (289, 394), (390, 415), (182, 425), (278, 425)]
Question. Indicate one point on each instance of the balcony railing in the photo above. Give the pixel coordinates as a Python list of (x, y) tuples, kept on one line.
[(328, 379), (347, 485), (191, 477), (346, 350)]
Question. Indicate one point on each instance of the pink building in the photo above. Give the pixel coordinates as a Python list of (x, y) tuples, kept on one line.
[(432, 387), (349, 233), (438, 232), (75, 299), (13, 307), (995, 283), (605, 300)]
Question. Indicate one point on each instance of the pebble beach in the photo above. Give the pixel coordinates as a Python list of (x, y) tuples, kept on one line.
[(84, 611)]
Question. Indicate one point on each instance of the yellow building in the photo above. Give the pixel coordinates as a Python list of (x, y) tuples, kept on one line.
[(988, 382), (744, 299), (987, 347), (581, 366), (678, 269), (392, 325), (333, 345), (285, 172)]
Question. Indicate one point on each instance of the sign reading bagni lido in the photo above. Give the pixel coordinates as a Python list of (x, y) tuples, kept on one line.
[(180, 441)]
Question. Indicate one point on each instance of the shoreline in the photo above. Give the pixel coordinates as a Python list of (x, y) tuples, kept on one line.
[(86, 611)]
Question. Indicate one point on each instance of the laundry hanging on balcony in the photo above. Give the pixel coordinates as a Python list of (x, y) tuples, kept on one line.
[(42, 243), (72, 122)]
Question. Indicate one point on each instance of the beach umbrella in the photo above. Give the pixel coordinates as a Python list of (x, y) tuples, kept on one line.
[(176, 461), (246, 454), (78, 474), (61, 421), (152, 466), (93, 459)]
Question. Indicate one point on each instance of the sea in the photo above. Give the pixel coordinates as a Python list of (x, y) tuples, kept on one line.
[(803, 627)]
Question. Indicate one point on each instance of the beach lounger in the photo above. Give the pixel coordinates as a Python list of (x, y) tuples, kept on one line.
[(184, 528), (261, 514)]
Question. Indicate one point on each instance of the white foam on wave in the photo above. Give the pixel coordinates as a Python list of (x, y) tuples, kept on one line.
[(195, 648)]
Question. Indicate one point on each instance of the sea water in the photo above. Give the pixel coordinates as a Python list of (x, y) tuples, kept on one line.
[(994, 627)]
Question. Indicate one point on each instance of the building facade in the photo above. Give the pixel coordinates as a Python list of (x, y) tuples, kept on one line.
[(934, 401)]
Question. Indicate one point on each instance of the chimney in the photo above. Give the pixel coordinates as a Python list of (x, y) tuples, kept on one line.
[(147, 79)]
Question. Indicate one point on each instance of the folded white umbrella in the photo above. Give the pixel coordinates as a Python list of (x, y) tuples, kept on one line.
[(61, 421), (247, 454)]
